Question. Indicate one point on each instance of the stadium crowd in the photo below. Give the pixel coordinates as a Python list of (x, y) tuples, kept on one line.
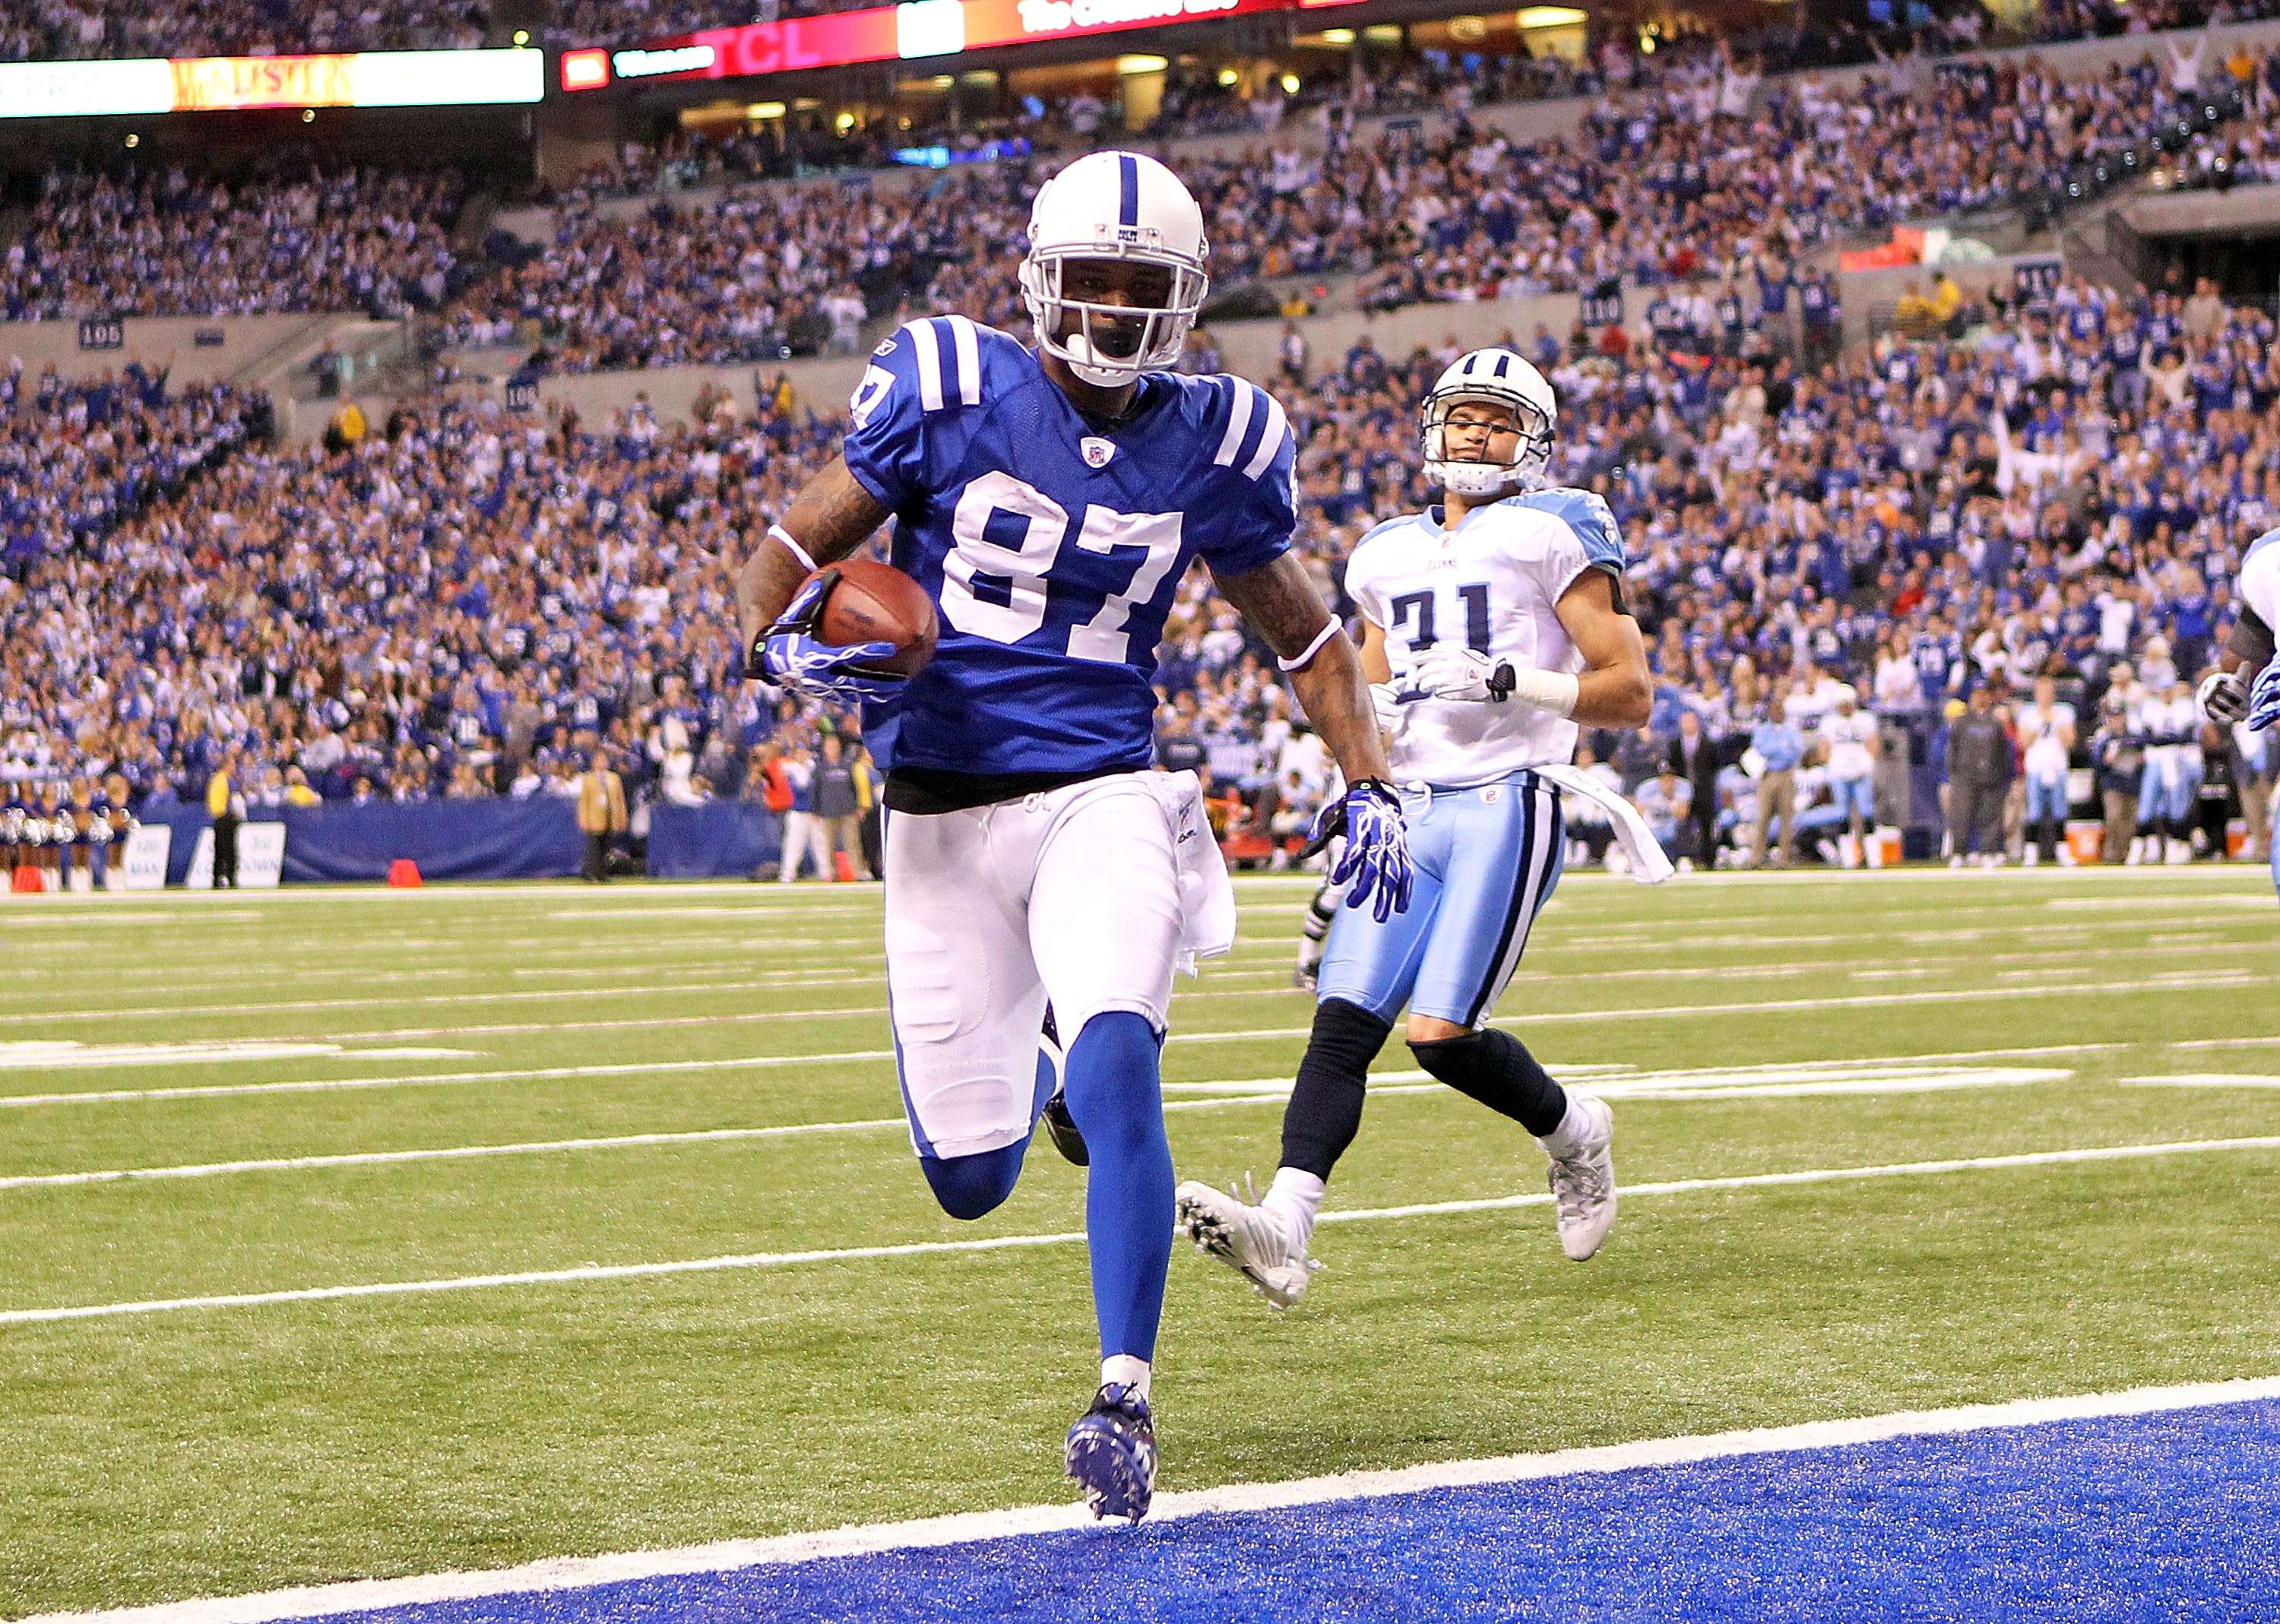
[(53, 30), (466, 603), (294, 238), (1679, 184), (1705, 172)]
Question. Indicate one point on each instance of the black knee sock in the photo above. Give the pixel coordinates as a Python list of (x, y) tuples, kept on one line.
[(1495, 1068), (1325, 1110)]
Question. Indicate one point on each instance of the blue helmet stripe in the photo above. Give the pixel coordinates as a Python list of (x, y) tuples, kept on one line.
[(1128, 189)]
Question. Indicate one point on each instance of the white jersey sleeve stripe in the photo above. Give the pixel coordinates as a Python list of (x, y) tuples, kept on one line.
[(1238, 422), (926, 342), (967, 343), (1270, 439)]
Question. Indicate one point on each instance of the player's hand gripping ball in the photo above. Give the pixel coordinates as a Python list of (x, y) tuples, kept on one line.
[(855, 631), (1376, 855)]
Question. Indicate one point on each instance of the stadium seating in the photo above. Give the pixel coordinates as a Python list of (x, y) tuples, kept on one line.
[(464, 602)]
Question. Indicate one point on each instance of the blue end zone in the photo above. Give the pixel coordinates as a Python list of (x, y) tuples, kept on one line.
[(2167, 1517)]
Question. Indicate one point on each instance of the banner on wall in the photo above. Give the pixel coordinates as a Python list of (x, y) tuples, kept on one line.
[(260, 859), (917, 31), (207, 84), (141, 864)]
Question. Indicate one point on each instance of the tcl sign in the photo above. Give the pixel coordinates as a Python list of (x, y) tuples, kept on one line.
[(923, 29)]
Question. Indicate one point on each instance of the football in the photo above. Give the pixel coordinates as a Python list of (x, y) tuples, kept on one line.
[(877, 602)]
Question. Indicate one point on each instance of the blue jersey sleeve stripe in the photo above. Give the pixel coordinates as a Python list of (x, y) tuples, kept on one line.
[(1128, 189), (1270, 438), (966, 345), (926, 346), (1238, 423)]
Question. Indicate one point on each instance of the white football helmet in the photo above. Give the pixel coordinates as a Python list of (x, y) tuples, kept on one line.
[(1114, 205), (1499, 378)]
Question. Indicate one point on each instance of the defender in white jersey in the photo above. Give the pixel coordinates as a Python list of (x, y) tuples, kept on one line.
[(2245, 686), (1492, 626)]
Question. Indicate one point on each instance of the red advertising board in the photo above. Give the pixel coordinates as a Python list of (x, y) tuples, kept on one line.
[(925, 30)]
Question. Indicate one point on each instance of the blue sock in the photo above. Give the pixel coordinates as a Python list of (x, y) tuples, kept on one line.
[(1115, 1095)]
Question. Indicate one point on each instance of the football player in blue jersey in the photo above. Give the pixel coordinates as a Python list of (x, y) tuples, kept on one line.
[(1050, 501), (1492, 626)]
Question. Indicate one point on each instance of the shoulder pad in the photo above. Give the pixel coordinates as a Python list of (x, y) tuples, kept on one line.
[(947, 356), (1586, 513), (1252, 426)]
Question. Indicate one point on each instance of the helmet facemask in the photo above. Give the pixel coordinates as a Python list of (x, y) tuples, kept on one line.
[(1475, 478), (1108, 344)]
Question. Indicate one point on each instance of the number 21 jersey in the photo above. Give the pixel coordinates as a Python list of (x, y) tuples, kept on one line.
[(1493, 585), (1051, 543)]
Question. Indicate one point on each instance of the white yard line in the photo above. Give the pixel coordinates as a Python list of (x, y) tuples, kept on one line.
[(177, 1011), (1615, 1081), (559, 1574), (309, 1085), (761, 1261), (2201, 1080)]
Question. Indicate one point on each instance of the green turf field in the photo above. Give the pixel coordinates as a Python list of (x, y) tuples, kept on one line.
[(207, 1449)]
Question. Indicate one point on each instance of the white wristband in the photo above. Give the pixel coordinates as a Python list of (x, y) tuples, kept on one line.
[(1547, 690), (797, 551)]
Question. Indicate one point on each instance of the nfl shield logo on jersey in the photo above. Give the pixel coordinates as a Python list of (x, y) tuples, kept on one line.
[(1096, 451)]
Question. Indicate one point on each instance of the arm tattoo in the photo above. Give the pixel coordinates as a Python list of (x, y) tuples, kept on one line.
[(1280, 601), (831, 517)]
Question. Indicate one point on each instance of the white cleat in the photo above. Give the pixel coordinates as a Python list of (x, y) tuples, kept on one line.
[(1584, 1185), (1248, 1239)]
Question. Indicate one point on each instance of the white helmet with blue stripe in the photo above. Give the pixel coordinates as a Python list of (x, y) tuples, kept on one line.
[(1496, 378), (1116, 206)]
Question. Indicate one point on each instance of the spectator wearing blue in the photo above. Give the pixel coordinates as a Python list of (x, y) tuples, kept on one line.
[(1780, 747)]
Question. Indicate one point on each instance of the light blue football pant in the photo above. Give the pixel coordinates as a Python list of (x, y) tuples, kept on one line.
[(2168, 790), (1487, 860)]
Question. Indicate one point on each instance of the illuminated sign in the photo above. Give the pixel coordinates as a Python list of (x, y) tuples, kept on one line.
[(655, 64), (919, 30), (203, 84), (585, 70)]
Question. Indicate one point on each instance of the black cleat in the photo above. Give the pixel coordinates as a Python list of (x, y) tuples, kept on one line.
[(1062, 1127)]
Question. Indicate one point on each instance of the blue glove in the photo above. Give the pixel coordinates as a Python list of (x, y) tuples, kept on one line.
[(789, 654), (1376, 855), (2264, 697)]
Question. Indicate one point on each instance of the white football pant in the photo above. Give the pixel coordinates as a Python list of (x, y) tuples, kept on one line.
[(1071, 895)]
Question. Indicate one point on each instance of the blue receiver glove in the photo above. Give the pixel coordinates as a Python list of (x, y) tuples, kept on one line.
[(1376, 855), (2264, 697), (789, 654)]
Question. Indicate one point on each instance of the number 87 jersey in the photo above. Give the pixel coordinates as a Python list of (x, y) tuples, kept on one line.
[(1052, 543)]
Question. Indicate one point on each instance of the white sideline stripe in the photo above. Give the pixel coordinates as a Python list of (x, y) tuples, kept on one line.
[(761, 1260), (2225, 1043), (556, 1573), (2201, 1080)]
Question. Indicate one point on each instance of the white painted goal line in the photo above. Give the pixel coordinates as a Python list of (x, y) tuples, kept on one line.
[(560, 1573), (761, 1260)]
